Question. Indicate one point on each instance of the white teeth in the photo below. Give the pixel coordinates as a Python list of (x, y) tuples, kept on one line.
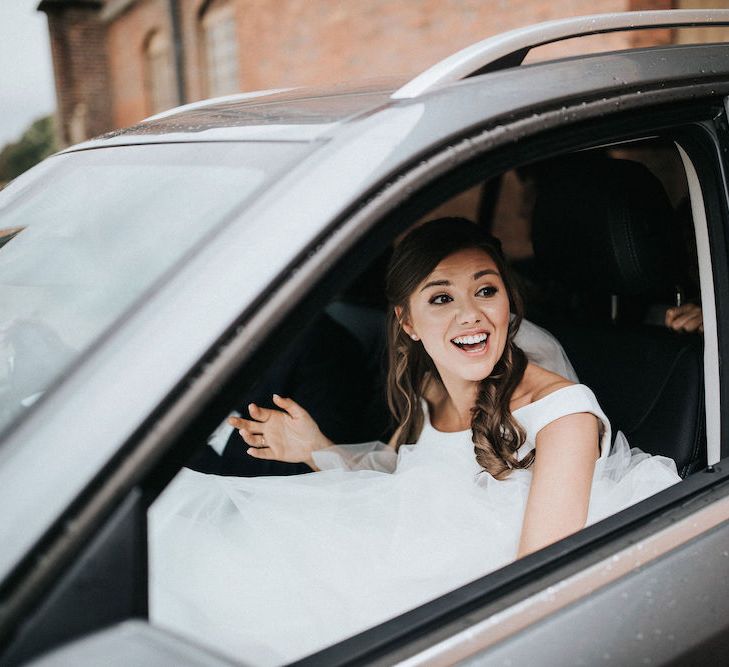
[(470, 340)]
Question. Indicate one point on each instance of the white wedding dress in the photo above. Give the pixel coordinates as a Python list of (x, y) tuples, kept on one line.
[(270, 569)]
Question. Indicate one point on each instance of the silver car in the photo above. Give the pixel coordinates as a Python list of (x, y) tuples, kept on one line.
[(150, 276)]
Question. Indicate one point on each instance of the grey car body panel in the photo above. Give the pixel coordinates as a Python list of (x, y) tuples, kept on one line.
[(675, 611), (81, 418)]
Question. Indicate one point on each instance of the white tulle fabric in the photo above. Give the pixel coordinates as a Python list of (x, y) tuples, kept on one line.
[(268, 570)]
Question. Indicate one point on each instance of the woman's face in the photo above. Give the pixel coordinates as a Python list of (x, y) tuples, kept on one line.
[(460, 313)]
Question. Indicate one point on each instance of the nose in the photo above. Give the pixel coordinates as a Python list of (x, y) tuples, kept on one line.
[(469, 313)]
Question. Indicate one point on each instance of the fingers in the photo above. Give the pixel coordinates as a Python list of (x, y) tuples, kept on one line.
[(249, 430), (253, 439), (687, 323), (264, 414), (290, 405), (260, 414), (260, 453), (672, 314), (245, 425), (688, 318), (677, 311)]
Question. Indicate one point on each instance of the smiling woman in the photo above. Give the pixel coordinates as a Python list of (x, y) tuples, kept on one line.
[(492, 454), (449, 280)]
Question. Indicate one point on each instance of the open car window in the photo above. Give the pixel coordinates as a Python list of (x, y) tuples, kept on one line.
[(602, 246)]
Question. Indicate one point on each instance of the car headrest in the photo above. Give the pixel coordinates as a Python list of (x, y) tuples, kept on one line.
[(605, 225)]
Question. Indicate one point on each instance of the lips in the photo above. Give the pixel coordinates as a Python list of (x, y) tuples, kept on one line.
[(471, 343)]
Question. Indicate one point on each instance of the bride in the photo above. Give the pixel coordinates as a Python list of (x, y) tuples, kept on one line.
[(493, 458)]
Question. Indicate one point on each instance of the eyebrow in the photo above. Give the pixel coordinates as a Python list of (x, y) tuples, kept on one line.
[(476, 276), (480, 274)]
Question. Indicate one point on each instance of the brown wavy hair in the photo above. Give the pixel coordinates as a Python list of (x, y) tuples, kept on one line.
[(496, 434)]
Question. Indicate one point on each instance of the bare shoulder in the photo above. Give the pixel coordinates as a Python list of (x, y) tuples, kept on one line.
[(537, 383), (545, 382), (568, 432)]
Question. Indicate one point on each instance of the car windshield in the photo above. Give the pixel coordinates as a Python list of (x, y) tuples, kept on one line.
[(84, 235)]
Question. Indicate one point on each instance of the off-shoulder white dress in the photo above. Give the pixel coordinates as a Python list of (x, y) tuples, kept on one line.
[(268, 570)]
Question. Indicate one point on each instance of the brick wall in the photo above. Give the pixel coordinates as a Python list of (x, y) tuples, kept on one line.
[(314, 42), (128, 34), (80, 65), (190, 10), (302, 42)]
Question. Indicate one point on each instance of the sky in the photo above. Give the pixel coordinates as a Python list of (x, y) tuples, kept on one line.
[(26, 74)]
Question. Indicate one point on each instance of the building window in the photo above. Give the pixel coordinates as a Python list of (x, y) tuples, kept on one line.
[(220, 49), (159, 73)]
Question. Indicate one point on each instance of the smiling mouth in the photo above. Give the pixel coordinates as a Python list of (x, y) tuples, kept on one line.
[(473, 344)]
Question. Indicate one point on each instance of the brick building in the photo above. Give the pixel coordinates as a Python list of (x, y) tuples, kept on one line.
[(118, 61)]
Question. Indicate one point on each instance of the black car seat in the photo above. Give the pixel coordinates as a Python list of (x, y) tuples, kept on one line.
[(604, 233)]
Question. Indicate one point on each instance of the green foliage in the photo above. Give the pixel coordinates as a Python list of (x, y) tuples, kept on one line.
[(37, 142)]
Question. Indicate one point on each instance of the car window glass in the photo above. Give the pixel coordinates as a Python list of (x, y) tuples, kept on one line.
[(93, 232), (339, 551)]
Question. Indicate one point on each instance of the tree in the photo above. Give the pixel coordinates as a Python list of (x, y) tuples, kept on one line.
[(37, 142)]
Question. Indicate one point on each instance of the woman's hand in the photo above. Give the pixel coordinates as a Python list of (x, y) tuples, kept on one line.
[(688, 317), (289, 434)]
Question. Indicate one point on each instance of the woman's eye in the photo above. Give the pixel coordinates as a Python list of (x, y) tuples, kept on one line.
[(488, 290), (440, 299)]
